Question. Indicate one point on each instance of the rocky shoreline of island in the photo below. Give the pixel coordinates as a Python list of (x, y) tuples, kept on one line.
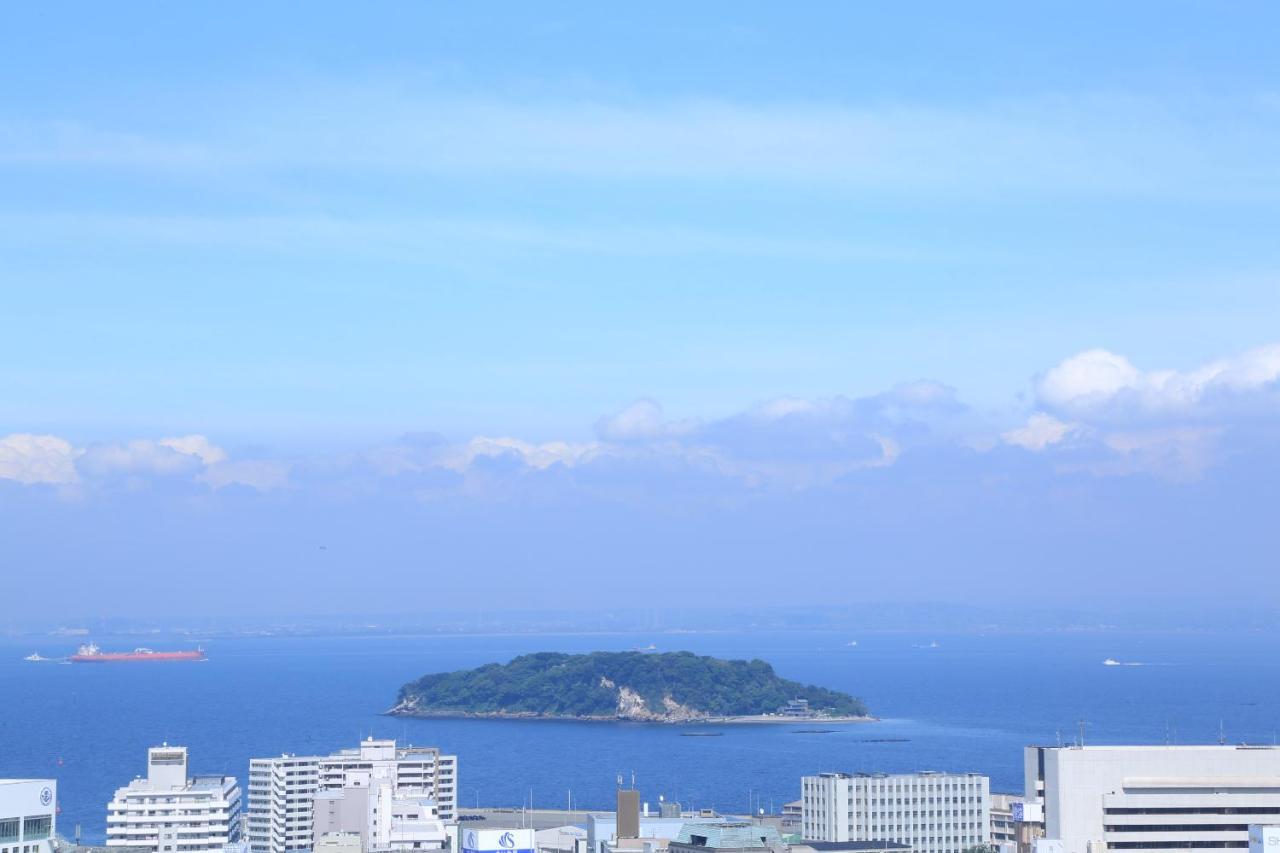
[(409, 710)]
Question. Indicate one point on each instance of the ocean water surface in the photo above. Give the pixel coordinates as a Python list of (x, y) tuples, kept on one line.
[(968, 703)]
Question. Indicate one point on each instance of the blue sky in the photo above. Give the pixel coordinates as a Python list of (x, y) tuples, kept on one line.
[(695, 290)]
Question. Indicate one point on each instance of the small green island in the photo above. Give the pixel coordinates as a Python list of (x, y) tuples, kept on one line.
[(673, 687)]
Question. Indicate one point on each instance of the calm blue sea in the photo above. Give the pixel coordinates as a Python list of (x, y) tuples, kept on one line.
[(971, 703)]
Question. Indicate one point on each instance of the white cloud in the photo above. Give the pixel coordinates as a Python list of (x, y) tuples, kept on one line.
[(168, 456), (33, 459), (643, 420), (196, 445), (261, 474), (539, 456), (1039, 432), (1099, 382), (782, 407), (1089, 378)]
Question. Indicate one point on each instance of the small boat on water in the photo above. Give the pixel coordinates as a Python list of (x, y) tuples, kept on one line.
[(1111, 662), (852, 643), (36, 656)]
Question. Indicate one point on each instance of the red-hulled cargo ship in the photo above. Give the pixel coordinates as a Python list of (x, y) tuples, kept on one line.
[(90, 653)]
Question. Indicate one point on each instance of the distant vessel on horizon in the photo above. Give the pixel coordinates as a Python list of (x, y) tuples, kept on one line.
[(90, 653), (36, 656)]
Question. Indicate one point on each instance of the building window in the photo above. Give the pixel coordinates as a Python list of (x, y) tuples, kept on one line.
[(36, 828)]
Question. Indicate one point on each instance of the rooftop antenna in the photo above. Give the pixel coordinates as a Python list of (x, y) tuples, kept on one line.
[(1081, 724)]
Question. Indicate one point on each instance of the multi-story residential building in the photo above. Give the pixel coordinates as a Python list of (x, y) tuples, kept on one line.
[(28, 815), (171, 812), (411, 770), (1156, 799), (279, 815), (283, 791), (931, 812)]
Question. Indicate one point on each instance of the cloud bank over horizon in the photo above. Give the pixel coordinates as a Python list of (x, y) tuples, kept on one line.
[(1092, 412), (1115, 474)]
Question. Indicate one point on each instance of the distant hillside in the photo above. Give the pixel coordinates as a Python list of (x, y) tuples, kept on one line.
[(671, 687)]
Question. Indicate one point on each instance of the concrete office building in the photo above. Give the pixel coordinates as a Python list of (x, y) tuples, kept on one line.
[(1156, 799), (931, 812), (283, 791), (1003, 828), (28, 815), (171, 812)]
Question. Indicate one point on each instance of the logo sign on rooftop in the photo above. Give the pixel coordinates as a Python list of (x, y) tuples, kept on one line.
[(498, 841)]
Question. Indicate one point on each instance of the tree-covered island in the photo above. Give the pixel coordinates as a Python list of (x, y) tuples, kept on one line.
[(675, 687)]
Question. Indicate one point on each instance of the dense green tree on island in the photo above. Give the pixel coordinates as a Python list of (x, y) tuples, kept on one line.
[(554, 684)]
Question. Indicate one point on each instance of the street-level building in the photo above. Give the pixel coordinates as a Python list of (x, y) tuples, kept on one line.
[(931, 812), (169, 811), (1154, 799), (28, 815)]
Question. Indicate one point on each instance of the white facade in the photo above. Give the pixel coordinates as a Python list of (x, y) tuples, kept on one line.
[(1154, 799), (278, 818), (403, 822), (293, 800), (170, 812), (933, 812), (28, 815)]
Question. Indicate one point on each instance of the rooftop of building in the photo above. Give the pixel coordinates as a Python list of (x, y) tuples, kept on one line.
[(736, 835), (205, 782), (917, 775), (837, 846), (62, 845), (1162, 747), (26, 781)]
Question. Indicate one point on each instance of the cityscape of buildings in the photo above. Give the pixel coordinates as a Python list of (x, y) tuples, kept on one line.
[(383, 797)]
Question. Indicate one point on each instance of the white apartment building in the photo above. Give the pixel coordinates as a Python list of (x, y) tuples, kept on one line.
[(1154, 799), (278, 818), (283, 791), (28, 815), (932, 812), (171, 812)]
